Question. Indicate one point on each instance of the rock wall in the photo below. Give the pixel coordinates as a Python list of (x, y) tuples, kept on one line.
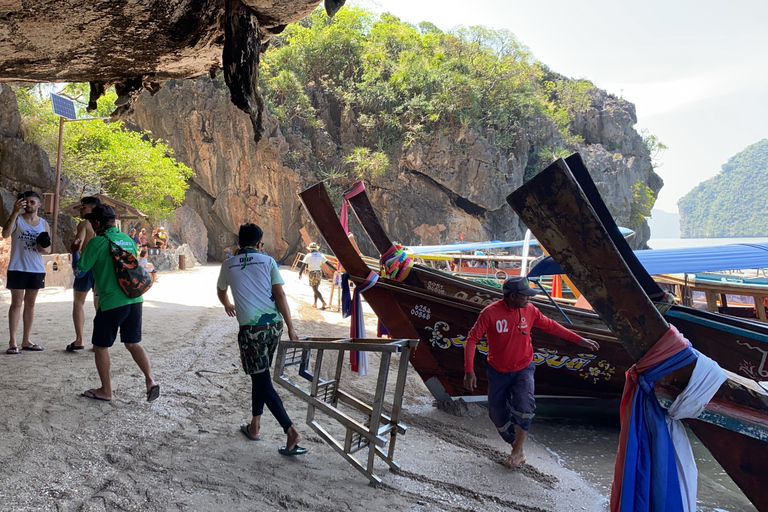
[(235, 182), (456, 183)]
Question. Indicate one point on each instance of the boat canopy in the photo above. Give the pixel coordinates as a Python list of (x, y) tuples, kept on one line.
[(495, 244), (680, 261)]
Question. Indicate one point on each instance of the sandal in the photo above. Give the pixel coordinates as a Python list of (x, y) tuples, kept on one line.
[(72, 347), (13, 350)]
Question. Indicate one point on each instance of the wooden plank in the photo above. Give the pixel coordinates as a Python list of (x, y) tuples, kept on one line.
[(760, 308), (711, 301)]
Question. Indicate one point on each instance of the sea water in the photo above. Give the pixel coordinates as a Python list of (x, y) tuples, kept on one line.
[(584, 439)]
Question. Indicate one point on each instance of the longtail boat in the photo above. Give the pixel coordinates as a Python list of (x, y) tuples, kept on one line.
[(738, 345), (556, 209), (441, 309)]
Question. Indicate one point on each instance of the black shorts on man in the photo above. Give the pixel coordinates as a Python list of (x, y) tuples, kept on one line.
[(18, 280), (126, 319)]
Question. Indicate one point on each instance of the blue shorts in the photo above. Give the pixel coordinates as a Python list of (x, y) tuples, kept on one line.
[(84, 283), (126, 319), (510, 400)]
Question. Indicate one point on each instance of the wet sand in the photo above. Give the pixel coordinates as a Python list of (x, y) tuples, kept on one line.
[(61, 451), (185, 451)]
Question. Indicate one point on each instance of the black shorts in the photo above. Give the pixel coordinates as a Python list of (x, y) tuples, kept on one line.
[(125, 318), (84, 283), (18, 280)]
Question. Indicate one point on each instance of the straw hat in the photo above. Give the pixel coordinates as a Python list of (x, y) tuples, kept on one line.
[(313, 247)]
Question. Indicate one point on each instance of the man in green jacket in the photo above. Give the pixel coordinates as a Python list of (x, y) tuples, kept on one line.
[(116, 311)]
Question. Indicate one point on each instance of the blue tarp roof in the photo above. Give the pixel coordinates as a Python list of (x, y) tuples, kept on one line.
[(689, 260), (431, 249), (448, 248)]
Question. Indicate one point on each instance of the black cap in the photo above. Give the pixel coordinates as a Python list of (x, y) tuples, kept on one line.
[(517, 284), (102, 213)]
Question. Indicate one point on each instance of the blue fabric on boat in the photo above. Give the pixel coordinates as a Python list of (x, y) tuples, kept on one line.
[(346, 299), (650, 481), (688, 260)]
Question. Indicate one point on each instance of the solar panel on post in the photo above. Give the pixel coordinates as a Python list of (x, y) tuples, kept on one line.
[(63, 107)]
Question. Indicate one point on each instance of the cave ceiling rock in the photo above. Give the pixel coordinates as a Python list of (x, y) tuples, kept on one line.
[(138, 44)]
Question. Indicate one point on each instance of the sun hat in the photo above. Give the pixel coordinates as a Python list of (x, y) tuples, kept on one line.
[(518, 284), (313, 246)]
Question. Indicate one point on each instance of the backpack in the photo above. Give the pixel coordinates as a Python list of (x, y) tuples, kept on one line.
[(131, 277)]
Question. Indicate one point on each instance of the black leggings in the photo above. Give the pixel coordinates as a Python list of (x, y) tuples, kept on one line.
[(318, 295), (264, 393)]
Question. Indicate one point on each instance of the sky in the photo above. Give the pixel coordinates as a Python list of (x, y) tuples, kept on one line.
[(697, 71)]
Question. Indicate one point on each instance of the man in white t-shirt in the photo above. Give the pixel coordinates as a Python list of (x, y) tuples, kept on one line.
[(313, 264), (261, 309), (26, 272)]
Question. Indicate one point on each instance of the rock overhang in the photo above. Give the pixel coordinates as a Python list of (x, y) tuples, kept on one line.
[(137, 44)]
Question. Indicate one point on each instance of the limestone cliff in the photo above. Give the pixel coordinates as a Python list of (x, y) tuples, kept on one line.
[(456, 183)]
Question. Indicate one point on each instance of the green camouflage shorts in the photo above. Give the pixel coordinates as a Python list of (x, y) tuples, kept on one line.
[(258, 344)]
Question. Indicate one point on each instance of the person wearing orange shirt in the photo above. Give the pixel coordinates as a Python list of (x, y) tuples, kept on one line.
[(507, 324)]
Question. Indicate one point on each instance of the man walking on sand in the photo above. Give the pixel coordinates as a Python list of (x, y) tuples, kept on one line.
[(26, 272), (115, 311), (508, 323), (261, 309), (83, 280)]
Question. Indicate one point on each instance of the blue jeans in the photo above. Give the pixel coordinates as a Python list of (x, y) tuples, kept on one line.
[(510, 400)]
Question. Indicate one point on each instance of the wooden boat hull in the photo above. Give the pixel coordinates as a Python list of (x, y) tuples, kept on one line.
[(737, 345), (441, 310), (562, 368)]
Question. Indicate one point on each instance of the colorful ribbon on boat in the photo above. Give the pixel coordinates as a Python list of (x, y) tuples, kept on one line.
[(396, 264), (654, 469), (357, 187), (359, 360)]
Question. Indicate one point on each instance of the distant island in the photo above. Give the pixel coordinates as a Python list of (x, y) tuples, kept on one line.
[(664, 224), (732, 204)]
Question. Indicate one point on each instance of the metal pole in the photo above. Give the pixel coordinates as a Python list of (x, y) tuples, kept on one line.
[(58, 186)]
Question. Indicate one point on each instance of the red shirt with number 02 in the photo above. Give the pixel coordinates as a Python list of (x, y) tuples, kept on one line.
[(509, 336)]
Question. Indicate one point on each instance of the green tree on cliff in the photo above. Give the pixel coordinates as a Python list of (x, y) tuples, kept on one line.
[(105, 156), (404, 83)]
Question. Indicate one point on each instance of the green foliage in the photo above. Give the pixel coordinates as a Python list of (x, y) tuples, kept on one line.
[(643, 200), (367, 163), (102, 155), (405, 83), (731, 204), (654, 146)]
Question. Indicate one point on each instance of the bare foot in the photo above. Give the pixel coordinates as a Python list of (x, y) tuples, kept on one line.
[(515, 459), (293, 438)]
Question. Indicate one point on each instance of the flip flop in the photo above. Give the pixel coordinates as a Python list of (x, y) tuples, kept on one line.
[(13, 350), (153, 393), (244, 430), (34, 348), (93, 396), (72, 347), (296, 450)]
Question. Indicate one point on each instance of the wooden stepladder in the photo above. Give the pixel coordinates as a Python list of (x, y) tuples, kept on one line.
[(376, 431)]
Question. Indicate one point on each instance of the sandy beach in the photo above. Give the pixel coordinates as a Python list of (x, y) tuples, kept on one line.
[(61, 451)]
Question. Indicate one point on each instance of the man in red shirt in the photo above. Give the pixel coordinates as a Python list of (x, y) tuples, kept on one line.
[(508, 323)]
